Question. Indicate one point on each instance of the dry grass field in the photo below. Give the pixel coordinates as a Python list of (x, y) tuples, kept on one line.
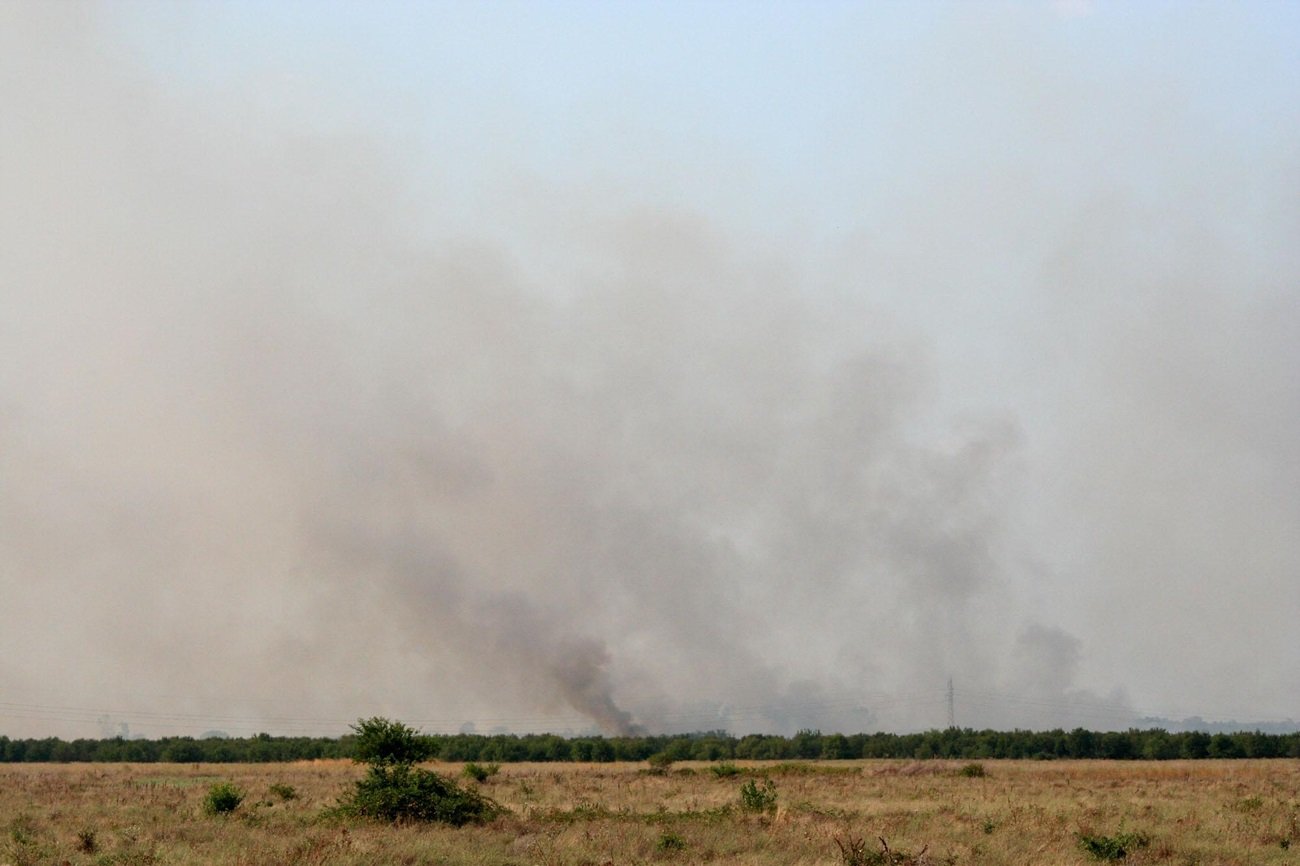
[(1206, 812)]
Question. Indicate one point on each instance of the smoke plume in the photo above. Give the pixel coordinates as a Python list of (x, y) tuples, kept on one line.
[(293, 431)]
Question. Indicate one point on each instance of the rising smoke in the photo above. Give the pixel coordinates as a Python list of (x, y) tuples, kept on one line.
[(276, 449)]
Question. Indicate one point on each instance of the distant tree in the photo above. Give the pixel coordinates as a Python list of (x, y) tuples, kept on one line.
[(1224, 746), (601, 750), (182, 751), (1195, 745), (807, 744), (834, 747), (1158, 745), (1080, 743), (1116, 746)]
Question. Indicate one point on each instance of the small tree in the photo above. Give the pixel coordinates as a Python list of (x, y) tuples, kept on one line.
[(754, 798), (394, 789), (381, 742)]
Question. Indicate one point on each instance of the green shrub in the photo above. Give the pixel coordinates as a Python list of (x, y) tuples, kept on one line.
[(400, 792), (480, 772), (671, 842), (23, 848), (394, 789), (659, 763), (1115, 847), (758, 798), (380, 741), (972, 771), (222, 799), (284, 792), (725, 770)]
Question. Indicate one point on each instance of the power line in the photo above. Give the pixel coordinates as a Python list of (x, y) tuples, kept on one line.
[(790, 712)]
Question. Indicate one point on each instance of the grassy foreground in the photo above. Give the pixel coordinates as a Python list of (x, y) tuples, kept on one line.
[(1206, 812)]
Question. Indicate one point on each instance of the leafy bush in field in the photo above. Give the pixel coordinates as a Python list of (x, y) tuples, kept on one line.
[(222, 799), (394, 789), (725, 770), (284, 792), (1115, 847), (480, 772), (659, 763), (671, 842), (758, 798), (972, 771), (400, 792)]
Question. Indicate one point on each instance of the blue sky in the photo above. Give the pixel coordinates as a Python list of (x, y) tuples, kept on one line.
[(800, 102)]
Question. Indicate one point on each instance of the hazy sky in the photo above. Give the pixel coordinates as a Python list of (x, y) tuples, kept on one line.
[(561, 366)]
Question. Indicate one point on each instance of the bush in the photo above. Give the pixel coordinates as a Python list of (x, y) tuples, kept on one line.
[(284, 792), (725, 770), (659, 763), (1115, 847), (381, 742), (758, 798), (394, 789), (479, 772), (222, 799), (400, 792), (972, 771), (671, 842)]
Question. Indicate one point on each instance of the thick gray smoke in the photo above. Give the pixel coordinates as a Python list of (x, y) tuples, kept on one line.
[(280, 448)]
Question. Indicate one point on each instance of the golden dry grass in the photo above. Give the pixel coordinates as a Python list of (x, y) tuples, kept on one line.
[(1206, 812)]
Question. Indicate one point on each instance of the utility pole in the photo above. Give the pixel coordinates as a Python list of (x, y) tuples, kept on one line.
[(952, 715)]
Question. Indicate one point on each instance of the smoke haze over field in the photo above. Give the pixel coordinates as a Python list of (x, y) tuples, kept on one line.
[(635, 366)]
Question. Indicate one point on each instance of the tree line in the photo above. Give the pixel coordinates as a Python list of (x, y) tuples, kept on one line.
[(952, 743)]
